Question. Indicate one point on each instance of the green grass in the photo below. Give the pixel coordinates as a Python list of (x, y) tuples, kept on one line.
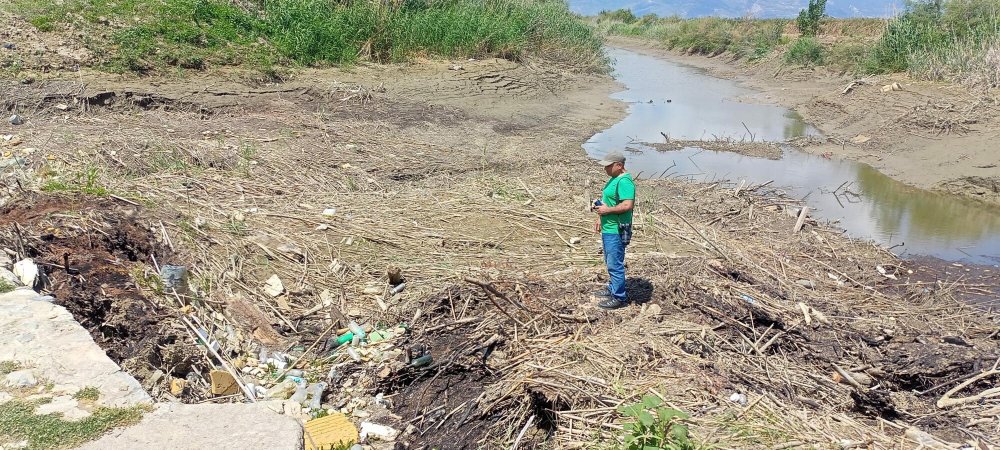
[(6, 287), (19, 422), (148, 35), (805, 51), (88, 393), (86, 182), (7, 367)]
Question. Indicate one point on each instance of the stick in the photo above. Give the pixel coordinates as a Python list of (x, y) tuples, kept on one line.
[(802, 219), (490, 290), (946, 400), (521, 434), (724, 255)]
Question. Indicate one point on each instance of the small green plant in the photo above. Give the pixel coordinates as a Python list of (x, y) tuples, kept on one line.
[(5, 287), (809, 18), (806, 51), (90, 393), (7, 367), (86, 182), (651, 426)]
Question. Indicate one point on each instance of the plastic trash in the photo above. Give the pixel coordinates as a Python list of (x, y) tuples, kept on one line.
[(375, 431), (295, 373), (174, 277), (353, 354), (300, 393), (356, 329), (316, 395), (399, 288)]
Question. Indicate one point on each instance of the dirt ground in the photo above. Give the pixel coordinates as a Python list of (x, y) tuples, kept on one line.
[(929, 135), (472, 181)]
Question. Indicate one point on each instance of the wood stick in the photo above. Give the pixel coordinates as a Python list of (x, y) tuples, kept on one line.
[(802, 219), (520, 435)]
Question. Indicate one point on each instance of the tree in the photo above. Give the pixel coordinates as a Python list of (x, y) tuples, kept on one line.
[(809, 18)]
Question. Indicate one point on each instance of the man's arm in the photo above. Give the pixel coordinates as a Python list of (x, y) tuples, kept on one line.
[(623, 207)]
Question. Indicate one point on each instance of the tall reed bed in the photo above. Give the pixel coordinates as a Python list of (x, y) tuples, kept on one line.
[(144, 35)]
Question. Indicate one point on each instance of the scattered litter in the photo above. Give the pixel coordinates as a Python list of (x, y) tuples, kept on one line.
[(456, 67), (26, 271), (377, 432), (9, 46), (738, 398), (16, 120), (274, 287), (748, 299), (62, 107), (223, 383), (575, 240), (177, 386), (885, 273), (330, 212), (397, 289), (174, 277)]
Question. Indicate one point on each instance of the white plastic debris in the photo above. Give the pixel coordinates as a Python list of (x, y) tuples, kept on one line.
[(26, 271), (274, 287), (738, 398), (330, 212), (378, 432)]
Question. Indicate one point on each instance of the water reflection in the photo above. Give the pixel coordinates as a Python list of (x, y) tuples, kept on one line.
[(868, 204)]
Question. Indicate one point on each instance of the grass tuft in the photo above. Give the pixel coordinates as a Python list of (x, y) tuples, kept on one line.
[(18, 421), (90, 393)]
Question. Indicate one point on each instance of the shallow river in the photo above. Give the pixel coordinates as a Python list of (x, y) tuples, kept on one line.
[(688, 104)]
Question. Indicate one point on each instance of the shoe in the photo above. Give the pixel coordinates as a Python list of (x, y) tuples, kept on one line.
[(603, 293), (612, 303)]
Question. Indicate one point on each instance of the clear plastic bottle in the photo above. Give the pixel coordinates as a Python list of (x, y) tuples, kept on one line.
[(300, 393), (356, 329), (316, 391)]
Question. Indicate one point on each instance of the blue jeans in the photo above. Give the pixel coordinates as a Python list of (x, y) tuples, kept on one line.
[(614, 258)]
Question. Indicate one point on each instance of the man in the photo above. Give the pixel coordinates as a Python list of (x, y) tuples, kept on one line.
[(615, 225)]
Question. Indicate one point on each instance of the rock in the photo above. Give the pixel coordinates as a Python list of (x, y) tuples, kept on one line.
[(456, 67), (26, 271), (47, 338), (65, 405), (282, 391), (5, 397), (575, 240), (62, 107), (9, 277), (206, 426), (5, 261), (21, 379), (809, 284), (274, 287), (892, 87), (16, 120), (177, 386)]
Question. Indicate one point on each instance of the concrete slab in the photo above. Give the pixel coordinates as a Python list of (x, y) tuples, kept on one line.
[(230, 426)]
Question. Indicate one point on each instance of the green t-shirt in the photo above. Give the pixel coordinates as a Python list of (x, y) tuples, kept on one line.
[(617, 190)]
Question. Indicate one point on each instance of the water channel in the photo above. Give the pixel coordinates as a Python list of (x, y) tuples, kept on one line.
[(689, 104)]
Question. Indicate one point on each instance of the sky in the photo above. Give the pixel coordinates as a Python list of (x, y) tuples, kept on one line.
[(738, 8)]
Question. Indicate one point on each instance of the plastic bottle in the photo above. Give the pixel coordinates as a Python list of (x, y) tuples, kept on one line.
[(294, 373), (316, 391), (335, 342), (300, 393), (353, 354), (356, 329)]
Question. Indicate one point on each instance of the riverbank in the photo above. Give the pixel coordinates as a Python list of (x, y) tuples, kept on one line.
[(928, 135)]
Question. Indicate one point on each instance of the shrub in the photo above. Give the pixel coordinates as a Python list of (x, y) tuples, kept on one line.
[(805, 51), (651, 425)]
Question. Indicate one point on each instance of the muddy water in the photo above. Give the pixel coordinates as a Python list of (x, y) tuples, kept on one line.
[(685, 103)]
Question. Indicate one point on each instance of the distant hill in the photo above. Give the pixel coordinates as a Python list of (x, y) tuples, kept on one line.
[(738, 8)]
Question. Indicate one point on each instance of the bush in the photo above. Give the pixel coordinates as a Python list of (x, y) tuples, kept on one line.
[(805, 51)]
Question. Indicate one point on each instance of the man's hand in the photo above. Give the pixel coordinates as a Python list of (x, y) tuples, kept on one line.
[(603, 210), (597, 226)]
